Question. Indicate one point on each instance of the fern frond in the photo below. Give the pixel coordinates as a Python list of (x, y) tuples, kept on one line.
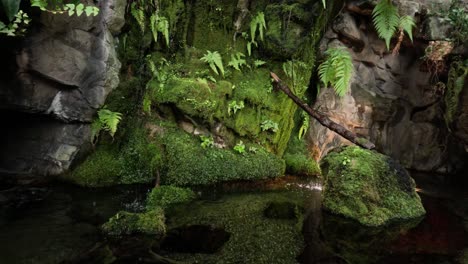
[(386, 20), (324, 3), (110, 120), (407, 23), (337, 70), (163, 27), (139, 16), (153, 26)]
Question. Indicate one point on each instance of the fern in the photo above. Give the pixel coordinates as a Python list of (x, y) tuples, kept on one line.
[(406, 24), (305, 125), (386, 20), (258, 22), (214, 60), (237, 61), (159, 24), (337, 70), (110, 120), (139, 16)]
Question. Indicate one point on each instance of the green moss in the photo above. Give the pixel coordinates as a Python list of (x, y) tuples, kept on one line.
[(166, 195), (196, 97), (300, 164), (141, 157), (254, 237), (101, 168), (368, 187), (136, 161), (125, 223), (189, 164)]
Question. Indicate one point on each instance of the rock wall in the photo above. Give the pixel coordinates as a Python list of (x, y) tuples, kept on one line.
[(65, 68), (393, 99)]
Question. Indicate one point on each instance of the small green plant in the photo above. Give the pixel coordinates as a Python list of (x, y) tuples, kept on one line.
[(207, 142), (387, 21), (337, 70), (60, 7), (258, 63), (257, 23), (291, 69), (237, 61), (305, 125), (458, 18), (107, 120), (16, 27), (234, 106), (346, 161), (253, 149), (240, 147), (214, 60), (269, 125), (138, 14), (159, 24)]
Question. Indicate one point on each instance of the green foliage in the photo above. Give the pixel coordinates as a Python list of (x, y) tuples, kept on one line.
[(304, 125), (10, 8), (214, 60), (258, 63), (126, 223), (456, 80), (458, 17), (337, 70), (239, 147), (386, 20), (269, 125), (368, 187), (138, 14), (60, 7), (235, 106), (237, 61), (407, 24), (190, 164), (107, 121), (17, 27), (294, 70), (167, 195), (207, 142), (257, 23), (159, 24)]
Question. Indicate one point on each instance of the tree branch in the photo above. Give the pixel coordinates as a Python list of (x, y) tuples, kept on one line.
[(321, 118)]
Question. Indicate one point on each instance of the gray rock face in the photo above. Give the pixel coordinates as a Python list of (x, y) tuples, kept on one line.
[(64, 72), (393, 101)]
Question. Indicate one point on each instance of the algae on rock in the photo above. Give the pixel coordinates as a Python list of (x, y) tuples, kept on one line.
[(368, 187)]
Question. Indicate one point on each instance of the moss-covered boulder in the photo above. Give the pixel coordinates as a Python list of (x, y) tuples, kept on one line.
[(126, 223), (167, 195), (368, 187)]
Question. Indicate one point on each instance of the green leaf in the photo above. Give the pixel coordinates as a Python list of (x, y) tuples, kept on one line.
[(109, 120), (337, 70), (88, 10), (324, 3), (10, 8), (407, 23), (386, 20), (79, 9)]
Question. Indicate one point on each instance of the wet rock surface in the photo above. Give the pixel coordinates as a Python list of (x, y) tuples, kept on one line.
[(62, 73)]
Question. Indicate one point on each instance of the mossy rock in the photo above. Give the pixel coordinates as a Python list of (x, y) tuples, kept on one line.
[(254, 238), (126, 223), (301, 165), (166, 195), (190, 164), (368, 187)]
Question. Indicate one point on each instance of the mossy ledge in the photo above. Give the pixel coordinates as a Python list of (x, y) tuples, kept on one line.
[(368, 187)]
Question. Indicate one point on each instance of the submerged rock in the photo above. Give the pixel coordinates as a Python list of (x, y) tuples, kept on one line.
[(368, 187)]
